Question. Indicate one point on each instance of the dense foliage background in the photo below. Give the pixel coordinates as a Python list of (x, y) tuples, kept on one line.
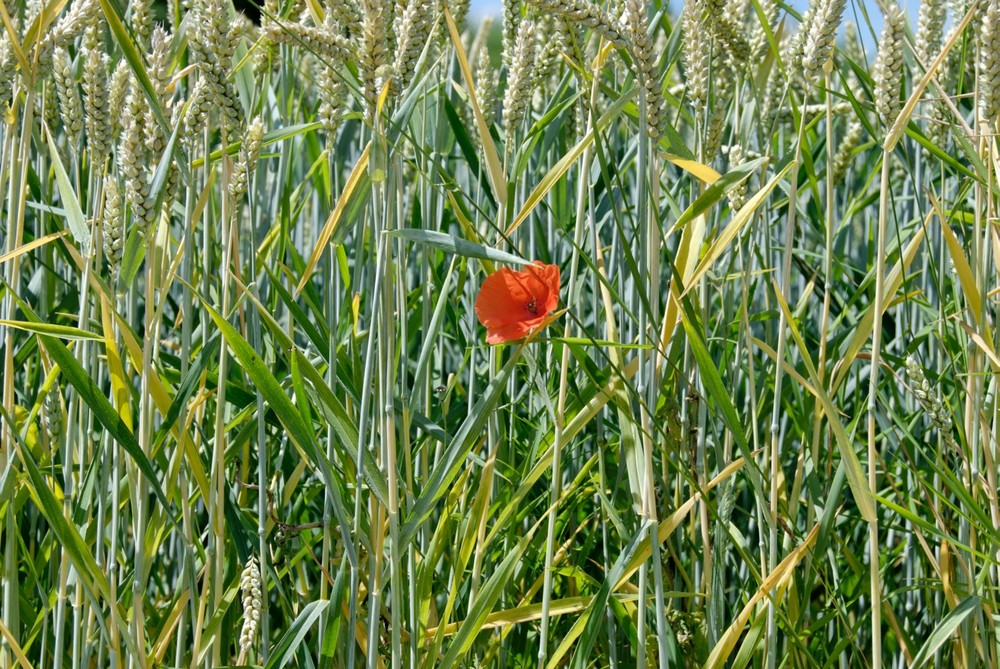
[(249, 417)]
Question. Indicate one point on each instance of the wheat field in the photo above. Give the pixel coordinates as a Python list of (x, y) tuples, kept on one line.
[(357, 333)]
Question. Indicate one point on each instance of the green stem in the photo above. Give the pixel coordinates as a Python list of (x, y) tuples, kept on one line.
[(879, 307), (774, 454)]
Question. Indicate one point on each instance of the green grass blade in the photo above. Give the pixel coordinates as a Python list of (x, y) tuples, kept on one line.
[(284, 651), (71, 205), (948, 626), (457, 245)]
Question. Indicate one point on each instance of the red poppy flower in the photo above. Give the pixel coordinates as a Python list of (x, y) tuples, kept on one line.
[(511, 303)]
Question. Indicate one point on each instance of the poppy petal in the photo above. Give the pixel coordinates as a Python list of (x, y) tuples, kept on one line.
[(500, 298), (548, 275), (505, 333), (511, 303)]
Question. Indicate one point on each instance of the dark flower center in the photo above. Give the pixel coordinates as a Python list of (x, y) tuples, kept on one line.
[(532, 307)]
